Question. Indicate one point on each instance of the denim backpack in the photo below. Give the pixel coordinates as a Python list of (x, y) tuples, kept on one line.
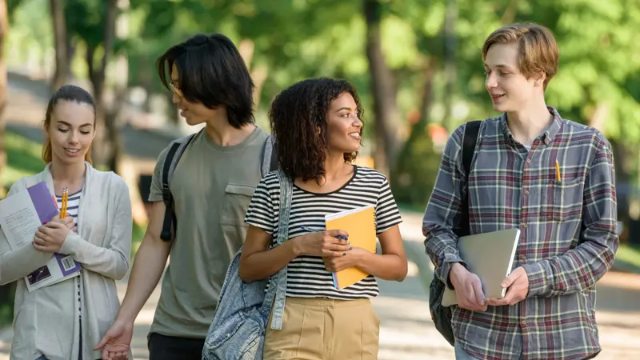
[(441, 315), (239, 325)]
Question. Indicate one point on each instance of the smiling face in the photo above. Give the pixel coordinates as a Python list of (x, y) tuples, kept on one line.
[(510, 90), (71, 130), (519, 60), (194, 112), (344, 126)]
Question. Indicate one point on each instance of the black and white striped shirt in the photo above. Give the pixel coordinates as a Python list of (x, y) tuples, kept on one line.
[(73, 206), (307, 275)]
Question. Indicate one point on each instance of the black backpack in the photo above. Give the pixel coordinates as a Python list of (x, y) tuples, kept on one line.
[(268, 161), (441, 315)]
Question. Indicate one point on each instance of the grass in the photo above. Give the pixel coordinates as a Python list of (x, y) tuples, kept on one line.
[(629, 254), (23, 158)]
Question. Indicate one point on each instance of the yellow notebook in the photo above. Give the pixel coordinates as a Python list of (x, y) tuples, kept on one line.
[(360, 224)]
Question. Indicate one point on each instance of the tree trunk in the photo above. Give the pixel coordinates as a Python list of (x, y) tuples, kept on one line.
[(246, 48), (510, 13), (384, 92), (172, 112), (599, 116), (91, 72), (114, 141), (428, 74), (61, 41), (259, 75), (4, 32), (97, 148), (71, 52), (624, 162), (450, 45), (107, 139), (427, 93)]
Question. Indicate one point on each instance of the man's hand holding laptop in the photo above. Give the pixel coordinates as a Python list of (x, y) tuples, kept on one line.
[(468, 288), (517, 285)]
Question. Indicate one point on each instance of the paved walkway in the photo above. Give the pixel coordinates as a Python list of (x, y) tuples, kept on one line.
[(407, 332)]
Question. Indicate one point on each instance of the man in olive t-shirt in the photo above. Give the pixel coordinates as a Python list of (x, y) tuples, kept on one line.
[(212, 186), (210, 205)]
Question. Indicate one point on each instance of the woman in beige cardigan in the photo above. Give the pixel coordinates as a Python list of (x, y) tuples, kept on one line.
[(65, 320)]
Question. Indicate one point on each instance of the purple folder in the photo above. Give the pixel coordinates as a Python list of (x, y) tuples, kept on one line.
[(46, 208), (43, 202)]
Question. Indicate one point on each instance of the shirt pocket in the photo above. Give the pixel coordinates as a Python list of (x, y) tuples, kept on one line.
[(562, 200), (234, 209)]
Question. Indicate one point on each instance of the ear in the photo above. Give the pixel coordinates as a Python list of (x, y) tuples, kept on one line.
[(45, 128), (540, 79)]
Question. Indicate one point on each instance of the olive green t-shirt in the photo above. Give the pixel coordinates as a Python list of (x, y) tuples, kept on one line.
[(212, 187)]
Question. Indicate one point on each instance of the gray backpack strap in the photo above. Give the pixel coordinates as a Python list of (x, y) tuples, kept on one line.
[(176, 149), (286, 194), (278, 286), (269, 156)]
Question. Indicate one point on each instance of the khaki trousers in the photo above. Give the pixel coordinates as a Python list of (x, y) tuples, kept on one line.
[(324, 329)]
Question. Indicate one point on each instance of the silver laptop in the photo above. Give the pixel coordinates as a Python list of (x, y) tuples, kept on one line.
[(490, 256)]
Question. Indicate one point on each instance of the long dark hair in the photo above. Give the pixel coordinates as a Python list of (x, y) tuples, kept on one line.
[(296, 115), (68, 93), (213, 73)]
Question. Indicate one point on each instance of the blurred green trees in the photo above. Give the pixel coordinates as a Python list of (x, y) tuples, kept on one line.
[(405, 56)]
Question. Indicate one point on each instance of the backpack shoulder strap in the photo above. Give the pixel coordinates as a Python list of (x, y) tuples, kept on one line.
[(468, 148), (269, 161), (278, 285), (469, 144), (176, 149)]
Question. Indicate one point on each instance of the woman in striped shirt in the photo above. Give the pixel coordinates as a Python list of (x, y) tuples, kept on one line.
[(318, 129)]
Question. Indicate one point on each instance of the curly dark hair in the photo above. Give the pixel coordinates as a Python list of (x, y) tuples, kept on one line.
[(296, 114)]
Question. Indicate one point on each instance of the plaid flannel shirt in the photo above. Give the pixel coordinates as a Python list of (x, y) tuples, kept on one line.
[(567, 242)]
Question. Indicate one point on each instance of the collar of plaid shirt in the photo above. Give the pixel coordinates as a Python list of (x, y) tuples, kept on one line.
[(547, 136), (567, 242)]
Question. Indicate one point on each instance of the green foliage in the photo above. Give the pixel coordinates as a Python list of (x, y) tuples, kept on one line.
[(7, 294), (416, 171), (12, 5), (23, 158), (299, 39), (629, 254), (85, 20), (599, 60), (30, 37)]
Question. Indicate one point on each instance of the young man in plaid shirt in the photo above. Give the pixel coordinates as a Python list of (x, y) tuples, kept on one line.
[(567, 218)]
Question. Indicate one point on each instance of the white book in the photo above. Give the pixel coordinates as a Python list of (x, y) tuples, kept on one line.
[(344, 213), (21, 215)]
